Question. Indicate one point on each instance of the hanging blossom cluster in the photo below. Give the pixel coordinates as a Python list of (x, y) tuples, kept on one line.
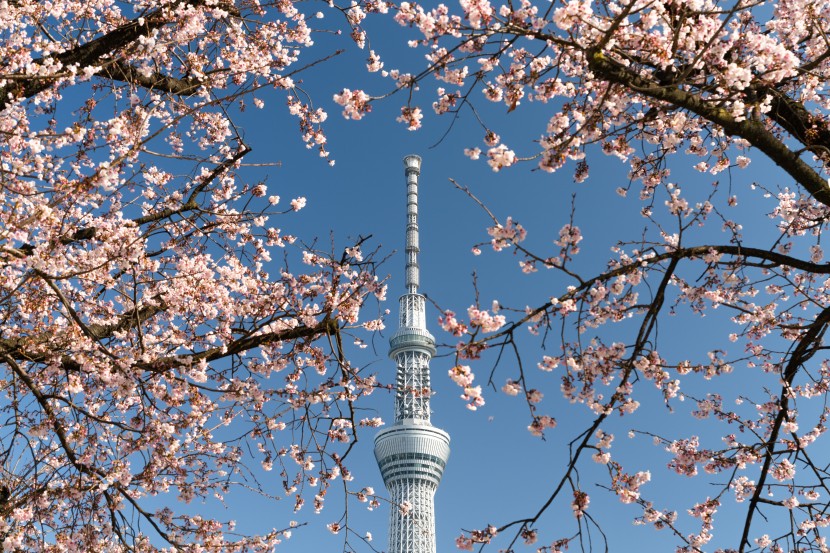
[(463, 376)]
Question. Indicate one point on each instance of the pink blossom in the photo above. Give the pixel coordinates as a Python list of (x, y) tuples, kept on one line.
[(461, 375), (791, 502), (478, 12), (472, 153), (298, 203), (529, 536), (472, 395), (500, 157), (580, 503), (411, 117), (373, 63), (743, 487), (491, 138), (507, 234), (574, 12), (783, 470), (355, 103), (483, 319), (763, 541), (548, 363), (373, 422), (540, 424), (569, 237), (449, 323), (464, 543), (511, 388)]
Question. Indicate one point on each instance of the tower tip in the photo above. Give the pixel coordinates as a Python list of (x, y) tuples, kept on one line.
[(413, 162), (413, 171)]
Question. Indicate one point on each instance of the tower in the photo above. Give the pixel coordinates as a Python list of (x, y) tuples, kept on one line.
[(412, 453)]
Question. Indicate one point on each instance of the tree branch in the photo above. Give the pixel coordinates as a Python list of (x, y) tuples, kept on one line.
[(327, 326), (191, 202), (752, 131), (803, 351), (680, 253), (91, 54), (122, 71)]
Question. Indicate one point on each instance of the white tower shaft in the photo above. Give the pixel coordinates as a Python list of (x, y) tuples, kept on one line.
[(413, 171), (412, 453)]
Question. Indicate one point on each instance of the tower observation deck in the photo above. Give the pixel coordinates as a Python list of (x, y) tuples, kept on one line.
[(412, 453)]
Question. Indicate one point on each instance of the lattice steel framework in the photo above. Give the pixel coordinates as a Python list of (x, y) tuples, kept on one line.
[(412, 453)]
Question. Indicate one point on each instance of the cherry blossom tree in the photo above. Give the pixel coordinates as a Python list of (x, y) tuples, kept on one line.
[(667, 88), (143, 319)]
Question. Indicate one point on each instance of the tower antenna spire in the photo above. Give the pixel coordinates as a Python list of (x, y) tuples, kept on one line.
[(412, 453), (413, 171)]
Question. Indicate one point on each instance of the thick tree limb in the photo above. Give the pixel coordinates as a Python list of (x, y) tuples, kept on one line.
[(89, 233), (91, 54), (793, 117), (122, 71), (752, 131), (26, 349), (327, 326)]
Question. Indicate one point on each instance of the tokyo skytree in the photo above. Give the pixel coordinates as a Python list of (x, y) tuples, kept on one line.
[(412, 453)]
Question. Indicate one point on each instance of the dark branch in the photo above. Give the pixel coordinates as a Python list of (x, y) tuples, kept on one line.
[(191, 202), (96, 53), (326, 327), (775, 258), (122, 71), (805, 348), (752, 131), (89, 233)]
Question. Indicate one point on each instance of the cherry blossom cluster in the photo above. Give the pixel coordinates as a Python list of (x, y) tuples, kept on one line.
[(481, 318), (627, 486), (463, 376), (468, 542), (504, 236)]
